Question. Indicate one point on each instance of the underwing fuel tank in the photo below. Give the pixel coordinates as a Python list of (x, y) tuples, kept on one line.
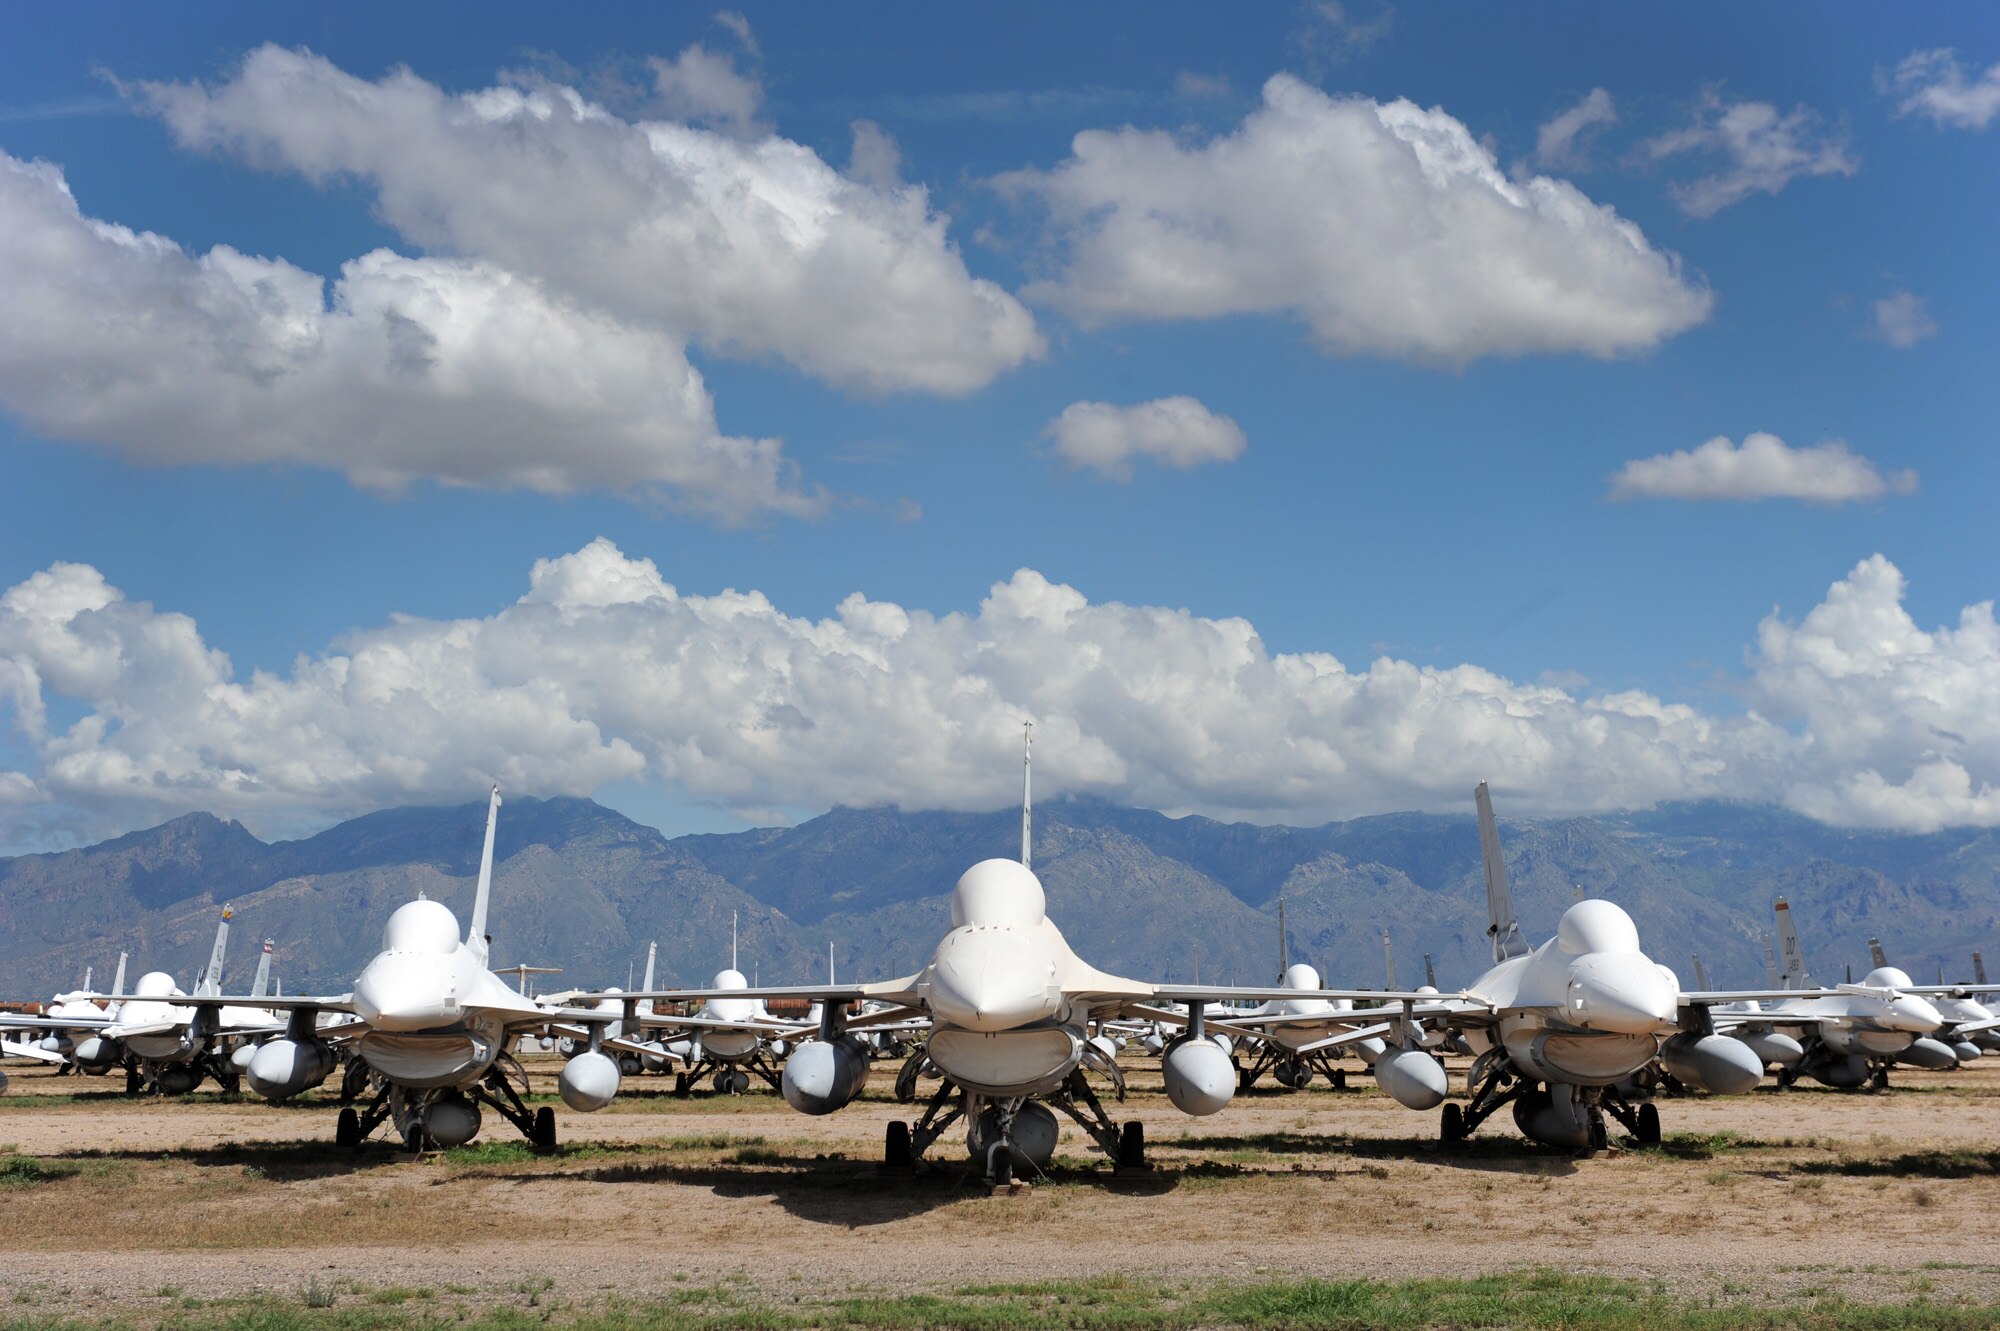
[(1411, 1077), (820, 1076), (280, 1068), (1199, 1076), (1925, 1052), (1774, 1047), (1715, 1063), (452, 1121), (589, 1081)]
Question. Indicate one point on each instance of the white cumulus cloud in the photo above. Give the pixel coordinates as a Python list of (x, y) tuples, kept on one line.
[(1934, 84), (1903, 319), (751, 245), (1761, 152), (1175, 431), (604, 672), (1765, 467), (1387, 228), (1561, 144), (399, 368)]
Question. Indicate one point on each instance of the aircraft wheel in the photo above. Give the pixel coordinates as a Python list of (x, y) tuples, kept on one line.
[(1600, 1140), (1451, 1127), (680, 1083), (1132, 1145), (133, 1085), (1340, 1079), (347, 1131), (1000, 1163), (231, 1084), (544, 1137), (1649, 1126), (896, 1145)]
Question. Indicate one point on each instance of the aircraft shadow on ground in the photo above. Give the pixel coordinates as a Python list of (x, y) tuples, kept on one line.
[(1510, 1155), (279, 1162), (847, 1193)]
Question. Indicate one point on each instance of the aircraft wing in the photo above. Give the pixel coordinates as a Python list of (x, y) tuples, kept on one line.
[(1709, 997), (771, 1027), (1963, 990), (1975, 1027), (1230, 993), (15, 1049), (269, 1003), (25, 1023)]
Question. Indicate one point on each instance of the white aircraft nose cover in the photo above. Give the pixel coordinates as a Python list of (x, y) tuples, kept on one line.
[(998, 892), (421, 926), (1887, 977), (154, 984), (1596, 926), (1301, 976)]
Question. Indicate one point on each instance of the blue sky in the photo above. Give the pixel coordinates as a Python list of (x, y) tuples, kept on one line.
[(1439, 506)]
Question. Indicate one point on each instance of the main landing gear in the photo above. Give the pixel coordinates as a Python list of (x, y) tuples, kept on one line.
[(1292, 1071), (1563, 1116), (729, 1078), (1009, 1130)]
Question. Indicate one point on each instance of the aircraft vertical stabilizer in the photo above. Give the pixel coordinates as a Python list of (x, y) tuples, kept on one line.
[(261, 984), (1503, 928), (1700, 975), (1430, 976), (118, 978), (211, 979), (1794, 974), (1875, 953), (1770, 965), (475, 933), (1389, 963), (1978, 968)]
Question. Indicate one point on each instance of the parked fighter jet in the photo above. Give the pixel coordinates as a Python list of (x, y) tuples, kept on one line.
[(1845, 1038), (1009, 1009), (1966, 1019), (1557, 1029), (68, 1021), (436, 1030)]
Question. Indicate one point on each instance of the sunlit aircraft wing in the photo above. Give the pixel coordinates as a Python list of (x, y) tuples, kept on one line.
[(289, 1003), (1230, 993), (15, 1049), (25, 1023)]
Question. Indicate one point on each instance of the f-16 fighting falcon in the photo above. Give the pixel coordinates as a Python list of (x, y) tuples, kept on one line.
[(1010, 1010), (436, 1030)]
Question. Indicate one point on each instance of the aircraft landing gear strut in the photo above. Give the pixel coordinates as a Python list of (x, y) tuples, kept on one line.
[(496, 1089), (1493, 1089), (1125, 1147)]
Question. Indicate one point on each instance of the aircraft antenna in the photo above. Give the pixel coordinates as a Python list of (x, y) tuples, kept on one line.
[(829, 961), (1388, 963), (1284, 954), (1850, 972), (1503, 927), (475, 934), (1027, 794)]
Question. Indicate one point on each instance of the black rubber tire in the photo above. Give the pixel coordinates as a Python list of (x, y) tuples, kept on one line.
[(896, 1145), (680, 1083), (1000, 1159), (1649, 1126), (1600, 1138), (1451, 1124), (133, 1084), (1132, 1145), (545, 1129), (347, 1130), (1340, 1079)]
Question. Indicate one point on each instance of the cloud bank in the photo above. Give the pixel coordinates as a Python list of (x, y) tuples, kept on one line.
[(1765, 467), (399, 368), (740, 240), (604, 672), (1386, 228), (1174, 431)]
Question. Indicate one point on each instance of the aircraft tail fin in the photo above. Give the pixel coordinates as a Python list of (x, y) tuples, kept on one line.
[(1876, 954), (652, 956), (118, 978), (1502, 927), (1793, 976), (1978, 969), (88, 972), (1770, 965), (262, 983), (1700, 975), (1430, 976), (1389, 963), (829, 963), (211, 979), (475, 933)]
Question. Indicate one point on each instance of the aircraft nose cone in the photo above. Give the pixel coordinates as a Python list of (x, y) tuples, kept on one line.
[(1620, 993), (405, 993), (1916, 1015), (992, 980)]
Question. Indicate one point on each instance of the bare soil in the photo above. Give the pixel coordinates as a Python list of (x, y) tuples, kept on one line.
[(1881, 1197)]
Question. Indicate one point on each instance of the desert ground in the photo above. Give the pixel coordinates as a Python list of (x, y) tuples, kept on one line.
[(123, 1205)]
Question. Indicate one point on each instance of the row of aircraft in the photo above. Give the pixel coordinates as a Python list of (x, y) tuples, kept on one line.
[(1016, 1030)]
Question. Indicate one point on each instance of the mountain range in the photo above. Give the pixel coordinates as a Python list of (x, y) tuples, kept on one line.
[(584, 888)]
